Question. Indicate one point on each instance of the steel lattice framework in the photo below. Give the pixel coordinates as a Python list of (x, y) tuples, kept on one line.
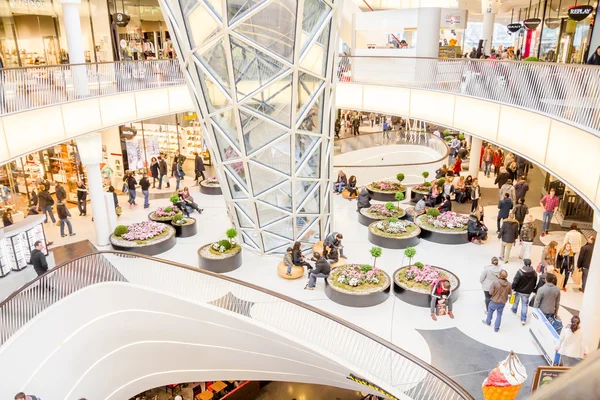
[(260, 74)]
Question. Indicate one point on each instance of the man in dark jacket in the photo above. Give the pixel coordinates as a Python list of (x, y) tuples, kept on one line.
[(145, 186), (334, 239), (163, 169), (61, 193), (524, 284), (81, 198), (502, 177), (585, 258), (46, 202), (504, 207), (364, 199), (508, 234), (38, 258), (199, 168), (521, 188), (475, 229), (321, 270)]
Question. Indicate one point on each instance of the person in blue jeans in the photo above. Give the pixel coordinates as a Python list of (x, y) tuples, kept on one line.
[(321, 270), (523, 285), (499, 290), (145, 186), (288, 261), (550, 204)]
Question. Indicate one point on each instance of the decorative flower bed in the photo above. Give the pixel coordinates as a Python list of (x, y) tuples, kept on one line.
[(445, 222), (422, 188), (413, 283), (382, 211), (211, 186), (394, 228), (387, 187), (184, 226), (142, 232), (164, 214), (146, 237), (221, 256), (212, 181), (354, 278)]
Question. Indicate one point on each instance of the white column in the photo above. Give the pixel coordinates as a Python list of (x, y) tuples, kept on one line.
[(89, 148), (590, 309), (428, 31), (74, 35), (489, 8), (474, 157)]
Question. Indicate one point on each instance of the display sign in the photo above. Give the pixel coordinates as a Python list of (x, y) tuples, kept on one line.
[(532, 23), (553, 23), (26, 3), (546, 375), (514, 27), (190, 117), (579, 13), (121, 19), (371, 386)]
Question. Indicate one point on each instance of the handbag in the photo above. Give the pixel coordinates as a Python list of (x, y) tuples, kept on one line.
[(532, 300), (539, 267), (512, 299), (576, 276)]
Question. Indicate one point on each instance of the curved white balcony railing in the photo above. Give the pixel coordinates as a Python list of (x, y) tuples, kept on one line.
[(567, 92)]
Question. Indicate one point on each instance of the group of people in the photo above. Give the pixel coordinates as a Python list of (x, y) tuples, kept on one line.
[(343, 183), (159, 169)]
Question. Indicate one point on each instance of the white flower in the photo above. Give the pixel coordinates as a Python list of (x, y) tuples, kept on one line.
[(222, 249), (215, 246), (354, 282), (233, 242)]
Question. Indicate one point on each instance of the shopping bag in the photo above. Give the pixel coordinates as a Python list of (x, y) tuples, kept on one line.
[(577, 274), (556, 324), (441, 308), (118, 211), (560, 279), (512, 299)]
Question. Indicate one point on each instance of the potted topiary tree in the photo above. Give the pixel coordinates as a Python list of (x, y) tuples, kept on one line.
[(400, 177), (399, 197), (231, 234), (425, 175), (410, 252), (184, 226), (433, 212), (376, 253), (224, 255)]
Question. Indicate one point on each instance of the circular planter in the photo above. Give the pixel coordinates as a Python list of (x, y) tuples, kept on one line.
[(409, 240), (228, 263), (441, 237), (151, 217), (358, 299), (211, 190), (151, 248), (416, 196), (421, 298), (186, 230), (384, 196), (366, 219)]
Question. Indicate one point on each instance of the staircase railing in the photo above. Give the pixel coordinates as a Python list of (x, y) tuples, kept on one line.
[(376, 360)]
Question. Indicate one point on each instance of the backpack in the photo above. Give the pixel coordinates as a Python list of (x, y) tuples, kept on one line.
[(437, 284)]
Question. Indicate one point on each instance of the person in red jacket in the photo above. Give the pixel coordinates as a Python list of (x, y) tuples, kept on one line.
[(497, 161), (457, 166)]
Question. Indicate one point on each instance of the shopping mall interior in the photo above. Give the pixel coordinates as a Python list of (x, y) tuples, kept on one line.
[(299, 199)]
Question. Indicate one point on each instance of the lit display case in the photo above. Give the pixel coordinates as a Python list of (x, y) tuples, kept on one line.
[(16, 243)]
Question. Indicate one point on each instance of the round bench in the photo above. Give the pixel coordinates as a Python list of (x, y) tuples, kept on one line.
[(297, 272), (346, 195)]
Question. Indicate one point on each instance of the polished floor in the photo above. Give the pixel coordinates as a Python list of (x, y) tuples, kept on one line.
[(463, 347)]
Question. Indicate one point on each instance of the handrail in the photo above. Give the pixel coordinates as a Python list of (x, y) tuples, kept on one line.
[(420, 391), (85, 64)]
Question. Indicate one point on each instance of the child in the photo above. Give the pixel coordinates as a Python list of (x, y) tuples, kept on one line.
[(287, 260)]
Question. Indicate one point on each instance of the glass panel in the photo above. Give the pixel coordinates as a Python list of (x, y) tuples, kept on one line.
[(236, 9), (274, 101), (315, 12), (252, 68), (249, 240), (201, 26), (304, 145), (315, 59), (215, 62), (312, 121), (216, 6), (305, 230), (280, 197), (226, 121), (273, 242), (276, 156), (257, 132), (237, 179), (302, 189), (243, 220), (267, 215), (308, 85), (263, 179), (227, 151), (312, 169), (283, 228), (215, 98), (273, 27), (247, 208)]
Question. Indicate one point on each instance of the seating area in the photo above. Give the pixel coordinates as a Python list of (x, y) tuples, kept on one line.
[(297, 271), (346, 194)]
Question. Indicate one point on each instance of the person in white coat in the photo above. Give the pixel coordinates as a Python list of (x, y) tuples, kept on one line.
[(571, 346), (574, 237)]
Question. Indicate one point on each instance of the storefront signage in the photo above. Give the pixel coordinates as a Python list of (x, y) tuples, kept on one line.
[(579, 13), (514, 27), (532, 23), (27, 3), (552, 23), (453, 19), (371, 386), (121, 19), (190, 117)]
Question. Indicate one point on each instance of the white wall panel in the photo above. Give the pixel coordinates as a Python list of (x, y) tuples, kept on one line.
[(432, 106), (39, 126), (81, 116), (4, 154), (349, 96), (179, 99), (524, 132), (386, 99), (151, 102), (477, 116), (117, 109)]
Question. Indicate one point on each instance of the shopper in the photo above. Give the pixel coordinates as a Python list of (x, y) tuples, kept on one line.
[(337, 127), (499, 290), (488, 276), (334, 239), (7, 218), (498, 157), (571, 345), (475, 194), (145, 186), (61, 193), (457, 169), (298, 257), (510, 189), (565, 261), (528, 233), (163, 170), (81, 198), (188, 200), (45, 203), (23, 396), (521, 211), (574, 238), (488, 159), (521, 188), (502, 178), (508, 234), (504, 207), (63, 216), (585, 259), (446, 204), (341, 182), (321, 270), (524, 284), (548, 260), (547, 298), (131, 185), (111, 189), (33, 201), (199, 168), (421, 205), (460, 190), (154, 171), (364, 199), (38, 259), (441, 293), (475, 230), (288, 261), (352, 186), (595, 57), (550, 205)]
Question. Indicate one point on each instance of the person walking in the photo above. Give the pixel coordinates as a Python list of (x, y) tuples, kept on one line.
[(61, 193), (521, 188), (131, 184), (585, 259), (34, 200), (155, 171), (547, 297), (565, 261), (321, 270), (524, 284), (497, 162), (81, 198), (550, 205), (163, 170), (488, 276), (355, 126), (528, 233), (46, 202), (199, 168), (571, 345), (337, 127), (499, 290), (548, 260), (145, 186), (502, 178), (488, 159), (521, 210), (574, 238), (63, 216), (475, 194), (510, 189), (504, 207), (508, 234), (38, 259)]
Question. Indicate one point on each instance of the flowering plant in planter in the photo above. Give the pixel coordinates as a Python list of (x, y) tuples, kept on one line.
[(355, 275), (143, 231), (180, 220), (385, 211), (422, 187), (387, 186), (162, 212), (419, 277), (211, 181), (226, 246), (393, 228), (446, 221)]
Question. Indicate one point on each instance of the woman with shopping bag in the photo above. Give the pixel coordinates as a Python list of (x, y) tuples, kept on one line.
[(565, 262)]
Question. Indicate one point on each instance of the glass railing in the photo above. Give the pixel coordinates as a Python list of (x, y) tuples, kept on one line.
[(365, 354), (568, 92), (23, 89)]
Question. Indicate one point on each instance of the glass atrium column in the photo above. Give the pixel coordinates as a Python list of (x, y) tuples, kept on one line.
[(260, 74)]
